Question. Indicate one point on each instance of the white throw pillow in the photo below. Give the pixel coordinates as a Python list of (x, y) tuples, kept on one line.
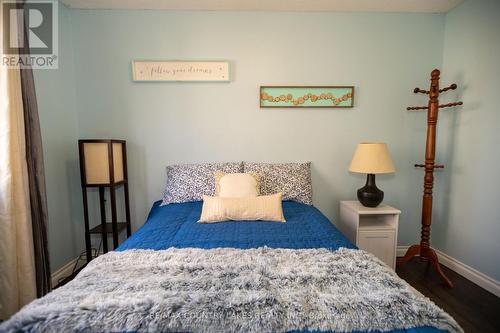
[(236, 185), (265, 207)]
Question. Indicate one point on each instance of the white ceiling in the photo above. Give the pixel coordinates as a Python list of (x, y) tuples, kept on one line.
[(426, 6)]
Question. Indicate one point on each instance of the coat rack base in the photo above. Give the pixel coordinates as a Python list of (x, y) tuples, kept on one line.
[(426, 254)]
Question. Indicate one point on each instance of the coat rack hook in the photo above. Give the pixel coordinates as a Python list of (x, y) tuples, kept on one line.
[(415, 108), (451, 87), (418, 90)]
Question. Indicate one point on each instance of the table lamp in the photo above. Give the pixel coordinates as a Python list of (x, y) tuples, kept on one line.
[(371, 158)]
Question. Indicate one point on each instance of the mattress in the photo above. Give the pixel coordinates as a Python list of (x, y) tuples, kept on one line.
[(175, 225)]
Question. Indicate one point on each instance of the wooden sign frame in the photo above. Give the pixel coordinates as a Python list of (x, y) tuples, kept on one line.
[(306, 97), (180, 71)]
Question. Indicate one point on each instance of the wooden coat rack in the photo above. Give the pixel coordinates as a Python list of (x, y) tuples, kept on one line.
[(423, 249)]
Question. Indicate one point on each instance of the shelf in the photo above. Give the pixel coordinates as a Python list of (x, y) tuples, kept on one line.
[(377, 222), (121, 182), (109, 228)]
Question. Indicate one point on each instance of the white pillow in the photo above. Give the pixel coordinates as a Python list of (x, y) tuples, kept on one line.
[(236, 185), (265, 207)]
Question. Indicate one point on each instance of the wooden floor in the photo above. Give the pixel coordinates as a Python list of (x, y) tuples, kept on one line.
[(474, 308)]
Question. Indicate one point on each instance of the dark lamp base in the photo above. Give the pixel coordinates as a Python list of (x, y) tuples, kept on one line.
[(369, 195)]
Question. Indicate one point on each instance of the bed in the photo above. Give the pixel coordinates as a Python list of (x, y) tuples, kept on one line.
[(173, 267)]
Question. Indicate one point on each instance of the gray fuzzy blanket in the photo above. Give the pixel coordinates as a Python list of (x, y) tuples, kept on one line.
[(232, 290)]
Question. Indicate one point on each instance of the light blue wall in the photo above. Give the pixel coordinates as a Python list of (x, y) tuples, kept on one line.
[(384, 55), (168, 123), (58, 120), (467, 211)]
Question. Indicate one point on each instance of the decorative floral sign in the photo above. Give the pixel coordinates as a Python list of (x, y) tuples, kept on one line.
[(214, 71), (306, 97)]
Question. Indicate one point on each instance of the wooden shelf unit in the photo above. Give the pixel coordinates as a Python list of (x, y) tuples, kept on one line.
[(103, 164)]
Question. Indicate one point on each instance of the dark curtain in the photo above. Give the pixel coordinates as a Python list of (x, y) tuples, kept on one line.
[(36, 174)]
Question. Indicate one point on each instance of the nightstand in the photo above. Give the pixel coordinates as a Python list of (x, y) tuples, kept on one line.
[(374, 230)]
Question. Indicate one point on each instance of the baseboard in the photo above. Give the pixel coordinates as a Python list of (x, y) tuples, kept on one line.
[(62, 272), (65, 271), (471, 274)]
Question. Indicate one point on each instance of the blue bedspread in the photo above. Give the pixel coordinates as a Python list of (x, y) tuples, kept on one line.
[(175, 225)]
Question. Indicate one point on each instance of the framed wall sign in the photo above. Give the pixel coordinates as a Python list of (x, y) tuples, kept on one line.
[(180, 71), (306, 96)]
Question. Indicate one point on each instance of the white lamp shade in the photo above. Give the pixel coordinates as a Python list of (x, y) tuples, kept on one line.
[(96, 161), (372, 157)]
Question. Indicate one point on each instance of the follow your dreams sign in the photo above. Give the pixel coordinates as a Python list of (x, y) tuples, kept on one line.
[(29, 33)]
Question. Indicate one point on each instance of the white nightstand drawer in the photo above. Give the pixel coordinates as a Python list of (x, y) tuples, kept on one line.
[(380, 243)]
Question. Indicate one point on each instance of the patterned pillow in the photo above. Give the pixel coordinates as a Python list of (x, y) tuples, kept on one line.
[(291, 179), (189, 182)]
